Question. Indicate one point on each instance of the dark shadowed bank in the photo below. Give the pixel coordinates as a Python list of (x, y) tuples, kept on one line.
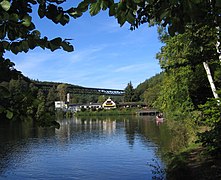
[(194, 163)]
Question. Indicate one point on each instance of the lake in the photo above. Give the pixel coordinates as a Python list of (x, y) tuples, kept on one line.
[(123, 147)]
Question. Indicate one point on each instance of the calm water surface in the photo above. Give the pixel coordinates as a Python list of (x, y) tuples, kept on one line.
[(108, 148)]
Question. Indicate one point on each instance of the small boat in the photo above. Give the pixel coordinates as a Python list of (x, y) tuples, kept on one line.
[(159, 119)]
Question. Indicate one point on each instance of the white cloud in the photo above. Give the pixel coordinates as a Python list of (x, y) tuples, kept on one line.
[(30, 60), (86, 54), (131, 68)]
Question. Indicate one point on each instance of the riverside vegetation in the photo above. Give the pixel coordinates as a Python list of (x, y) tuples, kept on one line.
[(108, 112)]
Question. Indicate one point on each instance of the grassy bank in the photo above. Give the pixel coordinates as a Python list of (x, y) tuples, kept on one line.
[(189, 160), (109, 112), (194, 163)]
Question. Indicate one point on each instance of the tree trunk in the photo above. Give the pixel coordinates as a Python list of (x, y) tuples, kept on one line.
[(210, 78)]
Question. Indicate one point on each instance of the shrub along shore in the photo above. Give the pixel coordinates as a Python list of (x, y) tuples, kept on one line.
[(108, 112), (193, 162), (196, 159)]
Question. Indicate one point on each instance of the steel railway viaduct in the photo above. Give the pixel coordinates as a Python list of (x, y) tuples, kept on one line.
[(73, 89)]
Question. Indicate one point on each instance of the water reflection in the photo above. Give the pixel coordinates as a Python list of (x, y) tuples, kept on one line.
[(107, 126), (14, 138), (145, 128), (88, 148)]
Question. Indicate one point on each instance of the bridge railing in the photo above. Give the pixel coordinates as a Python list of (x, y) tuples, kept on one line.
[(85, 90)]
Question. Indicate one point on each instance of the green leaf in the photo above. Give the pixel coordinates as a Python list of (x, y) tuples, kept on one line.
[(130, 18), (15, 47), (58, 17), (25, 46), (6, 45), (95, 8), (164, 14), (11, 35), (26, 20), (122, 6), (41, 11), (121, 18), (14, 17), (52, 11), (56, 41), (171, 30), (104, 5), (31, 43), (67, 47), (75, 13), (64, 20), (83, 6), (5, 5), (53, 46), (2, 31), (9, 114), (4, 92), (5, 16), (112, 10), (36, 34)]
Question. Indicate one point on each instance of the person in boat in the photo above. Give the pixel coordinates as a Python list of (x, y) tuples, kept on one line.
[(160, 115), (159, 118)]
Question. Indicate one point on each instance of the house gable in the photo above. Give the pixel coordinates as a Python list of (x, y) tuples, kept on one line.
[(109, 104)]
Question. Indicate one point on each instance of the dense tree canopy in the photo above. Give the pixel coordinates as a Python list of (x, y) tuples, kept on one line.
[(193, 47), (129, 93), (174, 13), (18, 32)]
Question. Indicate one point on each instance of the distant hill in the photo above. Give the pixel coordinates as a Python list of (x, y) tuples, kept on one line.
[(148, 83), (51, 84)]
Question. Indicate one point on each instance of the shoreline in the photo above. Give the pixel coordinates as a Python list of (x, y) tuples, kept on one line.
[(194, 163), (109, 112)]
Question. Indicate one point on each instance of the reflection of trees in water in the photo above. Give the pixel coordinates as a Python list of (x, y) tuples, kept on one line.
[(16, 139), (130, 130), (157, 134), (83, 129), (169, 136), (144, 127)]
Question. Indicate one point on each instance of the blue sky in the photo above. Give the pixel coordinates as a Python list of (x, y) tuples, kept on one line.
[(106, 55)]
